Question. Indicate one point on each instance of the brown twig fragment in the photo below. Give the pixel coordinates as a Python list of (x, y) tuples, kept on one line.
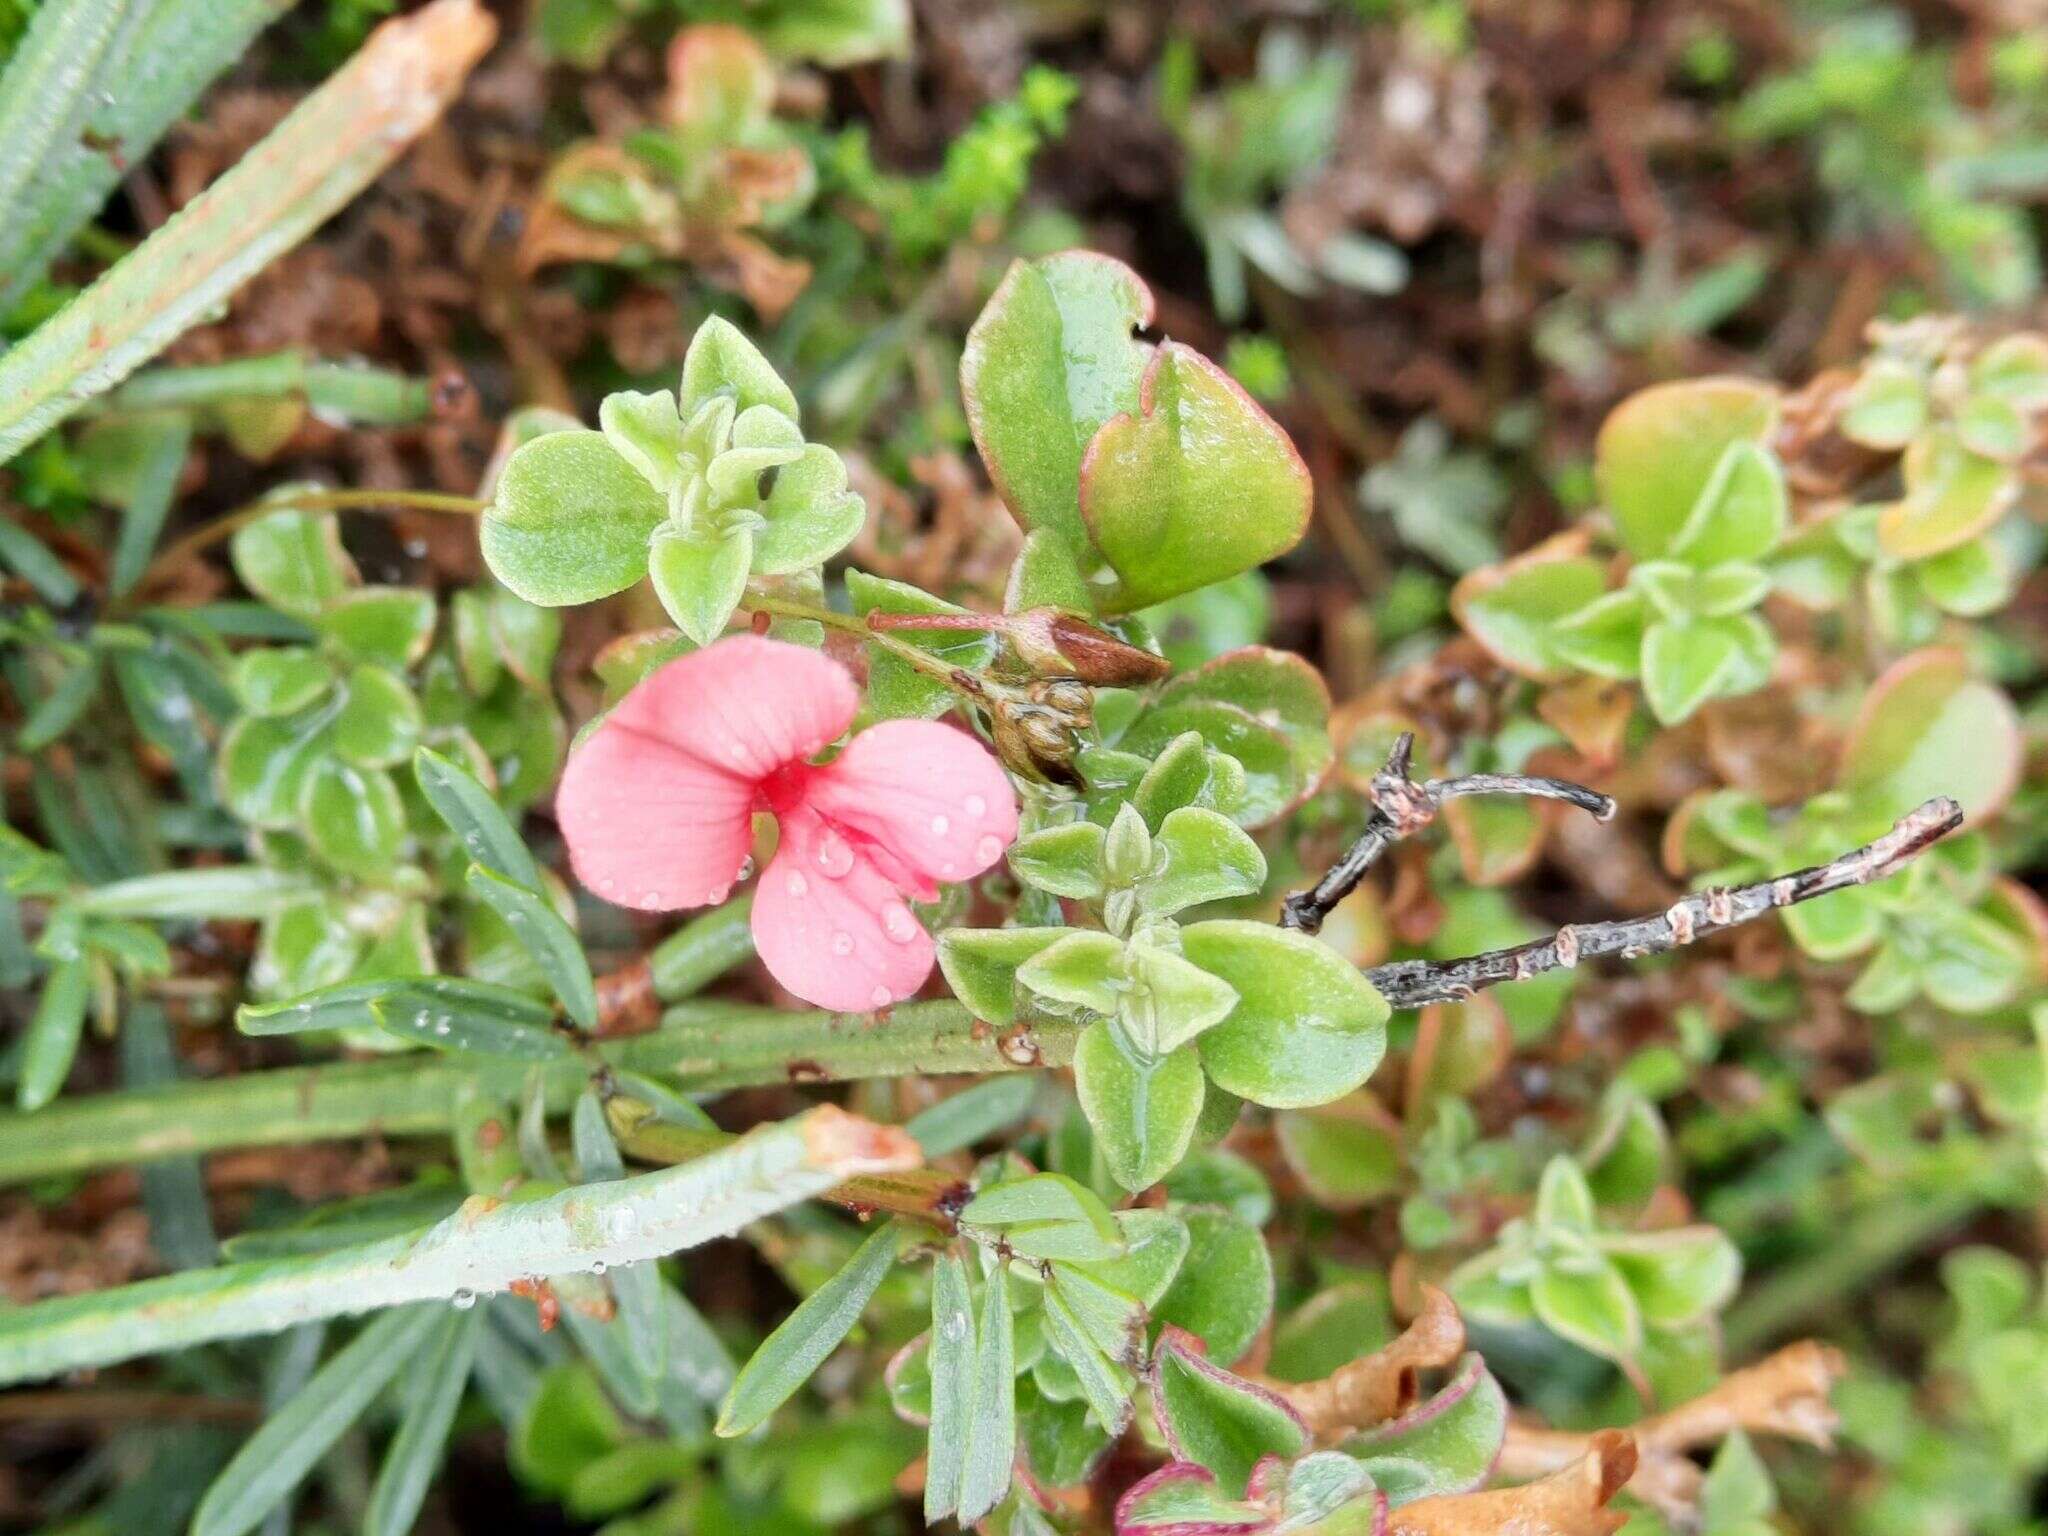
[(1402, 807), (1415, 983), (1785, 1394), (1376, 1387)]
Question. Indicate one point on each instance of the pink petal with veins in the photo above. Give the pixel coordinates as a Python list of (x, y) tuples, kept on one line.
[(831, 926), (935, 799)]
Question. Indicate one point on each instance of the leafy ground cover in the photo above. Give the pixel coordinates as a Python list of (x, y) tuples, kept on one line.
[(1067, 768)]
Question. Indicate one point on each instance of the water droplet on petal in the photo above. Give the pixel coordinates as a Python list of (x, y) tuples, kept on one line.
[(975, 805), (988, 848), (798, 885), (746, 869), (881, 997), (941, 826), (842, 943), (833, 856), (898, 923)]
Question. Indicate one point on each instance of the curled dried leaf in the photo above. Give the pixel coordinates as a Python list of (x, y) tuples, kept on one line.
[(1571, 1502), (1375, 1387)]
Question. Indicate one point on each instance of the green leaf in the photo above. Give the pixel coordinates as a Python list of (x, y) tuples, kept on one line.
[(721, 361), (1206, 857), (1678, 1276), (551, 942), (1225, 1297), (1445, 1444), (1951, 496), (963, 1118), (1971, 581), (1564, 1200), (353, 818), (1684, 665), (1083, 968), (387, 626), (992, 1421), (224, 892), (1307, 1028), (1272, 775), (952, 1370), (1048, 362), (281, 680), (486, 832), (1345, 1163), (1929, 727), (1835, 926), (1742, 512), (293, 560), (981, 965), (413, 1461), (264, 765), (700, 581), (50, 1044), (810, 513), (896, 690), (1658, 451), (1515, 610), (647, 432), (1104, 1385), (1592, 1308), (1277, 687), (1169, 1001), (294, 1439), (1605, 637), (379, 722), (1046, 1216), (570, 521), (1064, 860), (1156, 1244), (1736, 1492), (454, 1013), (1888, 406), (1144, 1115), (1198, 485), (45, 94), (805, 1339), (1218, 1420)]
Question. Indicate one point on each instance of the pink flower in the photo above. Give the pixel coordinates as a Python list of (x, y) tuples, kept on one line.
[(658, 804)]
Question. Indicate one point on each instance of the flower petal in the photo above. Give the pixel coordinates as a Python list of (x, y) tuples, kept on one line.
[(930, 795), (656, 805), (746, 705), (649, 824), (844, 941)]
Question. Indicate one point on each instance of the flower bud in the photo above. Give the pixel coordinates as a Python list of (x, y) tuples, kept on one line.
[(1056, 644)]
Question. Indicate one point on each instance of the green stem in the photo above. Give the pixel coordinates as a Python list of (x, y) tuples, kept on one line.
[(703, 1047), (919, 1193), (936, 668), (210, 534), (484, 1247)]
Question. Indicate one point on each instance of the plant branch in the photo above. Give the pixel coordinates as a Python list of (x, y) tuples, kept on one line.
[(1415, 983), (484, 1247), (1402, 807), (702, 1047)]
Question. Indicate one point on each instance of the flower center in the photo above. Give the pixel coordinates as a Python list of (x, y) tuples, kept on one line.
[(784, 789)]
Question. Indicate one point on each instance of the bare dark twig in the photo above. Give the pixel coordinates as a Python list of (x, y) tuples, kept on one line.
[(1402, 807), (1415, 983)]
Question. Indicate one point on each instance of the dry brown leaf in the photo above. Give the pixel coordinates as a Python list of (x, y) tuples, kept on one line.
[(1375, 1387), (1571, 1502)]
